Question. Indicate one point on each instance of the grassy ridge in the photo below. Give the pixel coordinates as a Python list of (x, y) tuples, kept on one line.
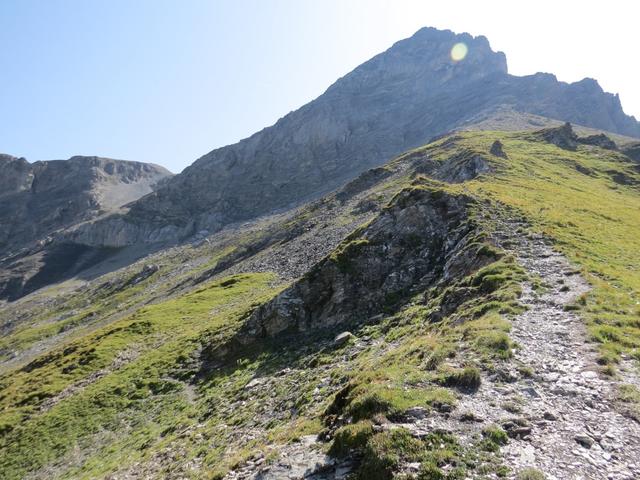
[(579, 199), (424, 360)]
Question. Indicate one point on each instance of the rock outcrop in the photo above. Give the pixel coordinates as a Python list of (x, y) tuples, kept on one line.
[(497, 149), (599, 140), (563, 137), (417, 242), (632, 151)]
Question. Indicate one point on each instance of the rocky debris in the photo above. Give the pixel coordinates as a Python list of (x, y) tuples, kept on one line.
[(363, 182), (160, 463), (563, 137), (200, 237), (343, 338), (291, 256), (416, 413), (254, 383), (296, 461), (305, 458), (147, 271), (497, 149), (584, 440), (568, 425), (462, 168), (599, 140), (291, 243), (517, 428)]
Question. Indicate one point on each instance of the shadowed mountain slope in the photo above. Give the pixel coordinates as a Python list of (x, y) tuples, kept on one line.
[(41, 198)]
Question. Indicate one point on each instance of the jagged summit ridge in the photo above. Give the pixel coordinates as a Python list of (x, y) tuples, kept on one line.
[(424, 56), (398, 100)]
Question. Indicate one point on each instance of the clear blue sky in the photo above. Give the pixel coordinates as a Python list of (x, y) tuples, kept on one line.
[(168, 81)]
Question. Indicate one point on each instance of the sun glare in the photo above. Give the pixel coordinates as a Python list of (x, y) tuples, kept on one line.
[(458, 52)]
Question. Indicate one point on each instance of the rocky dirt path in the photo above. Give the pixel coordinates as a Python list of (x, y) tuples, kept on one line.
[(578, 432), (560, 412), (301, 460)]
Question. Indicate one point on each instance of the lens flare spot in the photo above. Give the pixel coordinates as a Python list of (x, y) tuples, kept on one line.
[(458, 52)]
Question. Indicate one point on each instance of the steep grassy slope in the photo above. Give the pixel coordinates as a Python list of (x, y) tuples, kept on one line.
[(133, 375), (189, 386)]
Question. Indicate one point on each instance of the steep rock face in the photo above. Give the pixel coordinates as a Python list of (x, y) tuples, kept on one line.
[(599, 140), (37, 199), (583, 102), (393, 102)]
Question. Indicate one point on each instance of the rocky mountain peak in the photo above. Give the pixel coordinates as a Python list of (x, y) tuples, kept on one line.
[(41, 197), (465, 309), (590, 86), (417, 62)]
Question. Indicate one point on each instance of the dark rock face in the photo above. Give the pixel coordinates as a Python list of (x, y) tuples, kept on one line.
[(563, 137), (462, 168), (632, 151), (16, 175), (59, 262), (497, 150), (600, 140), (40, 198), (395, 101)]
